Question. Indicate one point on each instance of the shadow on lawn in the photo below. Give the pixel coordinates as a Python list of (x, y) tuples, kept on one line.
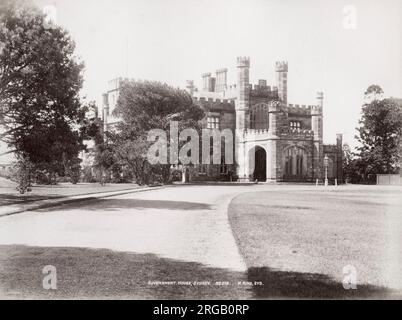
[(9, 199), (295, 285), (108, 204), (105, 274)]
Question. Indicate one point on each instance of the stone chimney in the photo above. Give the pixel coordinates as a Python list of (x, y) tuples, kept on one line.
[(221, 80), (208, 82)]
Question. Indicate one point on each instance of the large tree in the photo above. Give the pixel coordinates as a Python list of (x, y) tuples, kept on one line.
[(40, 80), (143, 106), (380, 133)]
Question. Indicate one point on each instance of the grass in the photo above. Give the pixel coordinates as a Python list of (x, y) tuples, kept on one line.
[(9, 195), (298, 240), (105, 274)]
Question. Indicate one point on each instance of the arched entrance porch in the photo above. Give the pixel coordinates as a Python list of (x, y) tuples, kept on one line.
[(258, 163)]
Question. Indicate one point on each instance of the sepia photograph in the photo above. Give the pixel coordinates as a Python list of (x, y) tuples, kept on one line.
[(224, 150)]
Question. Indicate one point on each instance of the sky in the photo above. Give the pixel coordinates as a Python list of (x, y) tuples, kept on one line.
[(176, 40)]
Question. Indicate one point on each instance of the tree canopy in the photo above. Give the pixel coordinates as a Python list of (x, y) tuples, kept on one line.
[(143, 106), (40, 80), (379, 134)]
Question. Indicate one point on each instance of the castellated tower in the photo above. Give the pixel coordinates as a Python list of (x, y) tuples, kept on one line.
[(317, 127), (242, 113), (243, 87), (281, 68)]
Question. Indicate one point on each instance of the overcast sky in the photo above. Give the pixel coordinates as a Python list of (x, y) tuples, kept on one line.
[(175, 40)]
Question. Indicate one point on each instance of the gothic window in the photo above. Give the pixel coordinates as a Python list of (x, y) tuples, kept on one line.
[(224, 167), (288, 162), (294, 162), (295, 124), (211, 147), (259, 117), (212, 122), (299, 164)]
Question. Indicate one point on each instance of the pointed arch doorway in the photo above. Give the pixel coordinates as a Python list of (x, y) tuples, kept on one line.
[(260, 167)]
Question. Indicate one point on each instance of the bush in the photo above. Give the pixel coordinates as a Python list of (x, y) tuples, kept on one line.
[(22, 175)]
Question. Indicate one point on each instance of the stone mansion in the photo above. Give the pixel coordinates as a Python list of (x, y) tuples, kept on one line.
[(275, 141)]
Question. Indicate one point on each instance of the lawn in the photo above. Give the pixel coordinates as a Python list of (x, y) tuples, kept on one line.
[(9, 195), (297, 240), (84, 273)]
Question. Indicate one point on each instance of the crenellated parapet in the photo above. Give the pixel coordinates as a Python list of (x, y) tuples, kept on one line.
[(274, 106), (264, 91), (316, 110), (330, 148), (281, 66), (289, 133), (254, 135), (256, 131), (215, 103), (243, 62), (297, 109)]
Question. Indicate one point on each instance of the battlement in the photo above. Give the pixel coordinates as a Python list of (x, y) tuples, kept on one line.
[(115, 84), (257, 134), (293, 133), (281, 66), (221, 70), (256, 131), (330, 148), (262, 90), (216, 102), (316, 110), (274, 106), (243, 61), (299, 109)]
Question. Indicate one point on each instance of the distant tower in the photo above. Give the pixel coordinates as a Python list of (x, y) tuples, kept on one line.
[(317, 127), (339, 157), (242, 103), (190, 87), (281, 68)]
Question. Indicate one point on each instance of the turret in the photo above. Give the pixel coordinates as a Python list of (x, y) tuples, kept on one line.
[(317, 127), (281, 69), (190, 88), (243, 87), (316, 117), (273, 110)]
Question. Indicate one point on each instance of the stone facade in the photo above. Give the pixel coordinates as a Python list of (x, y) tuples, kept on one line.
[(275, 141)]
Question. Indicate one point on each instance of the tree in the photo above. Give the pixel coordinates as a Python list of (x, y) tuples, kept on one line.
[(373, 92), (40, 80), (353, 166), (143, 106), (380, 134)]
